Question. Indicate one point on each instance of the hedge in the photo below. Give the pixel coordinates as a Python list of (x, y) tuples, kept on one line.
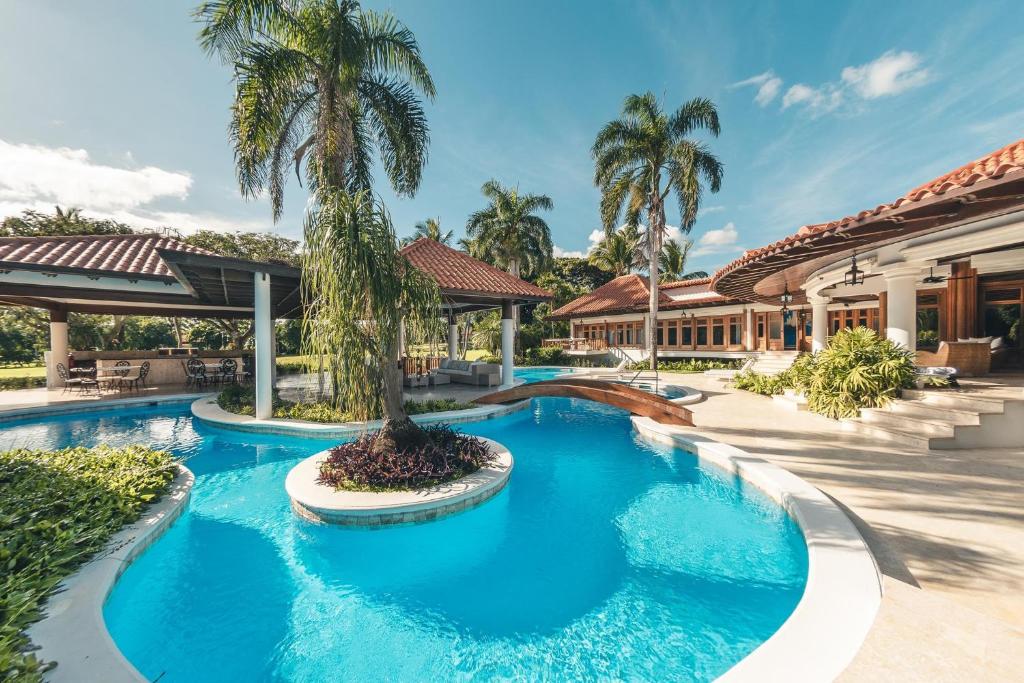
[(57, 509), (21, 382)]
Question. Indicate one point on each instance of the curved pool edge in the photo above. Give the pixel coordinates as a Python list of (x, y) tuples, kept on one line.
[(207, 411), (321, 504), (72, 632), (843, 593)]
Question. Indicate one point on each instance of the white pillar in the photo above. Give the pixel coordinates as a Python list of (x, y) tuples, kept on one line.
[(819, 322), (507, 344), (453, 338), (401, 339), (58, 348), (748, 330), (264, 335), (901, 306)]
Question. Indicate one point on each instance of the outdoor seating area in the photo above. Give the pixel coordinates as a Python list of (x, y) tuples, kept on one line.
[(122, 376)]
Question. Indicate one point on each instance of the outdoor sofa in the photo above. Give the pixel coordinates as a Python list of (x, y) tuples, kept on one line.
[(470, 372)]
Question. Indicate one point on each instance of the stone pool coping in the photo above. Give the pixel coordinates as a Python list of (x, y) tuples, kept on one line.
[(72, 631), (844, 586), (318, 503), (75, 407), (206, 410)]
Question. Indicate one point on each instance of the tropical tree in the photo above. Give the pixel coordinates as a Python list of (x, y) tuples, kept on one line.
[(673, 261), (431, 229), (509, 234), (643, 157), (618, 252), (325, 85)]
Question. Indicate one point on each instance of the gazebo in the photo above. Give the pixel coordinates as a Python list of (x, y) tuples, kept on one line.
[(468, 284), (149, 274)]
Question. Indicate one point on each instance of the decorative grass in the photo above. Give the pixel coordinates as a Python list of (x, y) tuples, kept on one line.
[(57, 508)]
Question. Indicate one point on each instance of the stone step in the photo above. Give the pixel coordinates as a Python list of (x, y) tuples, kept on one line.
[(906, 423), (928, 411), (956, 400), (890, 434)]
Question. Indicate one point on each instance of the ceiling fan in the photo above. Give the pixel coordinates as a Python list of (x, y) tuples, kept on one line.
[(932, 278)]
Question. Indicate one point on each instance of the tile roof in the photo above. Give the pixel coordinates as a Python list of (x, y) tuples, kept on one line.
[(1007, 161), (126, 254), (692, 282), (623, 294), (458, 271)]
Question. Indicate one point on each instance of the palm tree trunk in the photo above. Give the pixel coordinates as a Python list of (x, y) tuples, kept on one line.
[(397, 431), (655, 226)]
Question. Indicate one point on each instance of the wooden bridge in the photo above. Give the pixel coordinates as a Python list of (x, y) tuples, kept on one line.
[(617, 394)]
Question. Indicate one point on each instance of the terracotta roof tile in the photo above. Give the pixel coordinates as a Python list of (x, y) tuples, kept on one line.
[(622, 294), (129, 254), (457, 270), (1008, 160), (693, 282)]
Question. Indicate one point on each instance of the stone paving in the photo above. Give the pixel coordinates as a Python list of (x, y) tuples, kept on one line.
[(946, 527)]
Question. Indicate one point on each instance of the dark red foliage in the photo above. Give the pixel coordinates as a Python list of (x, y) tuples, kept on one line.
[(444, 456)]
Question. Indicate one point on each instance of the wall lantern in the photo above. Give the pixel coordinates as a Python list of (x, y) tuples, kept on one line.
[(854, 276)]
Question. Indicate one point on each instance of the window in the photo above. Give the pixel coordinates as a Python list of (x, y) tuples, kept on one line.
[(687, 333), (775, 327), (928, 321), (735, 331), (661, 334), (702, 332), (1003, 309), (717, 332)]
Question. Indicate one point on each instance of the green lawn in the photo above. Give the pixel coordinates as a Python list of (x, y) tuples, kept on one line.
[(26, 371)]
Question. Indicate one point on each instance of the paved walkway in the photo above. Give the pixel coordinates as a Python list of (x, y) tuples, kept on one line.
[(947, 528)]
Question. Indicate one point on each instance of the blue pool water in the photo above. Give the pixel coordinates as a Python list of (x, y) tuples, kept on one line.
[(540, 374), (605, 557)]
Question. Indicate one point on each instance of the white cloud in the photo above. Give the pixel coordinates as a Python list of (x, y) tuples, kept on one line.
[(38, 177), (718, 241), (768, 86), (818, 100), (709, 210), (892, 73), (559, 253)]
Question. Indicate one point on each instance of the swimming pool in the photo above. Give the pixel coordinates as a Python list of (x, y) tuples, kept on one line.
[(604, 557)]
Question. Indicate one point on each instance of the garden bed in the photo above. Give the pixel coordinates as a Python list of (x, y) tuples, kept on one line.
[(58, 509)]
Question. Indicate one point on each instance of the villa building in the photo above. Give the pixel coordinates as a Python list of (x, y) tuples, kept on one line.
[(939, 270)]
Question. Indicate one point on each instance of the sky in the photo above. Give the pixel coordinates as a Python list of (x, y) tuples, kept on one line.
[(826, 108)]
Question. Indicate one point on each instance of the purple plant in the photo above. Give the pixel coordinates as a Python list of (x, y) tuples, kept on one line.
[(444, 455)]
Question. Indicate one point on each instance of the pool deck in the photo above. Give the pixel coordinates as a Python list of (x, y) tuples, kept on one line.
[(946, 528)]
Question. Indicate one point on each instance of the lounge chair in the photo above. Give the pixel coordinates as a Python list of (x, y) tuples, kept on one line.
[(727, 373)]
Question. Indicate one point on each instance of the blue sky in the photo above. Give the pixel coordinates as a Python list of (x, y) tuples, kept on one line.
[(827, 108)]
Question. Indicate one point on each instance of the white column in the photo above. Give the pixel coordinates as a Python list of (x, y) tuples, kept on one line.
[(453, 338), (58, 348), (748, 330), (401, 339), (507, 344), (264, 335), (819, 322), (901, 305)]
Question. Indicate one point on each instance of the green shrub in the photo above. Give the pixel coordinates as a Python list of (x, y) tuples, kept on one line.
[(57, 509), (435, 405), (23, 382), (545, 355), (689, 364), (858, 369)]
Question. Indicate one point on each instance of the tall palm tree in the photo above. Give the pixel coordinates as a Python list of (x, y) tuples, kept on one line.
[(618, 252), (673, 262), (431, 229), (322, 81), (508, 233), (643, 157), (324, 86)]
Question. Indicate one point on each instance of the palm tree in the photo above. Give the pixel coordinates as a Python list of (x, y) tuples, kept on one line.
[(673, 262), (322, 81), (508, 233), (618, 252), (431, 229), (326, 86), (644, 156)]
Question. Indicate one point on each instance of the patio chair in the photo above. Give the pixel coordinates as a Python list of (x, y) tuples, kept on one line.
[(133, 381), (229, 371), (195, 372), (121, 371), (71, 382)]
